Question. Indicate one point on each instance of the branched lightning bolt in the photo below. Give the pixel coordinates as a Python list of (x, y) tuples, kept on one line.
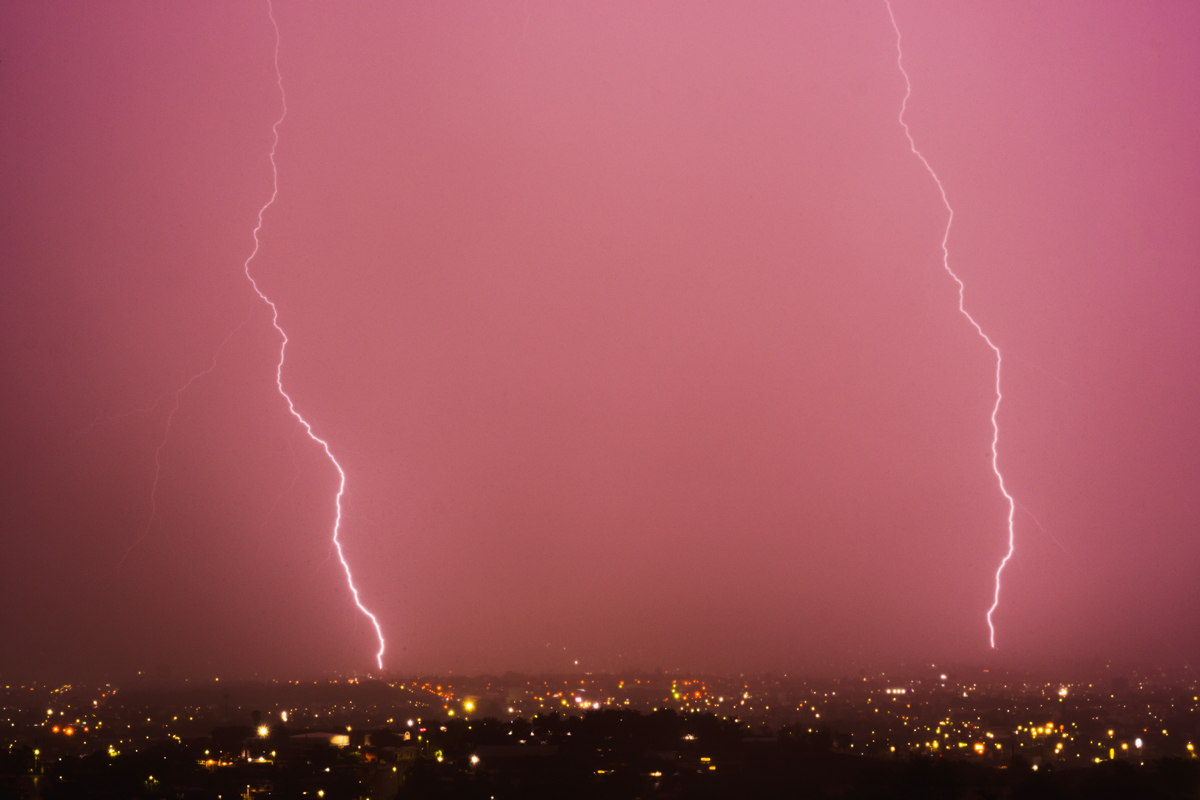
[(283, 347), (212, 365), (1012, 507)]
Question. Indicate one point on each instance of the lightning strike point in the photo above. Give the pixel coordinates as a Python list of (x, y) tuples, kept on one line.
[(1012, 505), (337, 525)]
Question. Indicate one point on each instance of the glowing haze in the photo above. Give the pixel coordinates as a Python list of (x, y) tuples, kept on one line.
[(629, 326)]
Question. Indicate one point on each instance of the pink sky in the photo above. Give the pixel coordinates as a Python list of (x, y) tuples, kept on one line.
[(626, 321)]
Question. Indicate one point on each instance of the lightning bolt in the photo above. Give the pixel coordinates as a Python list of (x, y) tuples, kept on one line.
[(1012, 505), (162, 443), (337, 525)]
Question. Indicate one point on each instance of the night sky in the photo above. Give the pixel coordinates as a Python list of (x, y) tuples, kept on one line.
[(627, 322)]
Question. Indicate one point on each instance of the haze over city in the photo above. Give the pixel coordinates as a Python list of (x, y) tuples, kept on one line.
[(627, 323)]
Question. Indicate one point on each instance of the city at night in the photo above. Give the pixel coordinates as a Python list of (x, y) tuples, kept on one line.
[(927, 733), (533, 399)]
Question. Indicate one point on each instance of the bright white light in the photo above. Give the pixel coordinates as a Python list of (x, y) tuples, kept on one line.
[(1137, 743)]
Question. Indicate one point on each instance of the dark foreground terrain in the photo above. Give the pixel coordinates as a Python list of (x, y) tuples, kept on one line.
[(601, 754)]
